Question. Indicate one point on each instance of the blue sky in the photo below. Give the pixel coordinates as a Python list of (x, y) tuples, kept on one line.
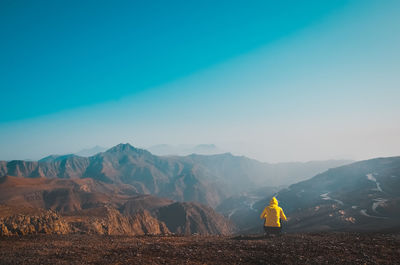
[(274, 80)]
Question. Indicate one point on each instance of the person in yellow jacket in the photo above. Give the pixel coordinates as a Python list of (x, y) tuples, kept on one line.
[(272, 215)]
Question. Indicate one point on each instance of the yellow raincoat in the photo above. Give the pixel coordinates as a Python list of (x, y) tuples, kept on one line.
[(272, 214)]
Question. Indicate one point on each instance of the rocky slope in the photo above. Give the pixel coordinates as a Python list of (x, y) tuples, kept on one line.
[(89, 206), (101, 221), (184, 218), (106, 220), (30, 221)]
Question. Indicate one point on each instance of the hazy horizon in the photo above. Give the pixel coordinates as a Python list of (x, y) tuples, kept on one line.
[(175, 151), (274, 81)]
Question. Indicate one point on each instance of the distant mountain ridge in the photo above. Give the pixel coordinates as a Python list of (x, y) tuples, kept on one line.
[(91, 151), (207, 179), (183, 150), (244, 173), (123, 164)]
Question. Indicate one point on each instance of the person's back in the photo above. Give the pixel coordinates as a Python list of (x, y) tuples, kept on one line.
[(272, 214)]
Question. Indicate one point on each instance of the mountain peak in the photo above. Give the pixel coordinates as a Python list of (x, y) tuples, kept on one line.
[(121, 148), (127, 148)]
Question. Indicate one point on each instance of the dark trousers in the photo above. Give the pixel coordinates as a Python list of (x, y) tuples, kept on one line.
[(269, 230)]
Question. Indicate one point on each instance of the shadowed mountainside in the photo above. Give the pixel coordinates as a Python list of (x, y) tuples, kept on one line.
[(361, 196)]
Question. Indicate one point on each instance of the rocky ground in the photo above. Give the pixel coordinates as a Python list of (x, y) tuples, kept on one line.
[(320, 248)]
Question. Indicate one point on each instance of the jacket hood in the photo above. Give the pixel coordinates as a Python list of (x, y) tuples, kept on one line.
[(273, 201)]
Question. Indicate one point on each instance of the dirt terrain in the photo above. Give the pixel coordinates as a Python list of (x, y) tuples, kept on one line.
[(319, 248)]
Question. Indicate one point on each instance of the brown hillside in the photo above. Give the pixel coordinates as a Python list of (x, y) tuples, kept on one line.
[(89, 206)]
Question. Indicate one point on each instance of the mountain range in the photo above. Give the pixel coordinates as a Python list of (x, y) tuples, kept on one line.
[(207, 179), (180, 194)]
